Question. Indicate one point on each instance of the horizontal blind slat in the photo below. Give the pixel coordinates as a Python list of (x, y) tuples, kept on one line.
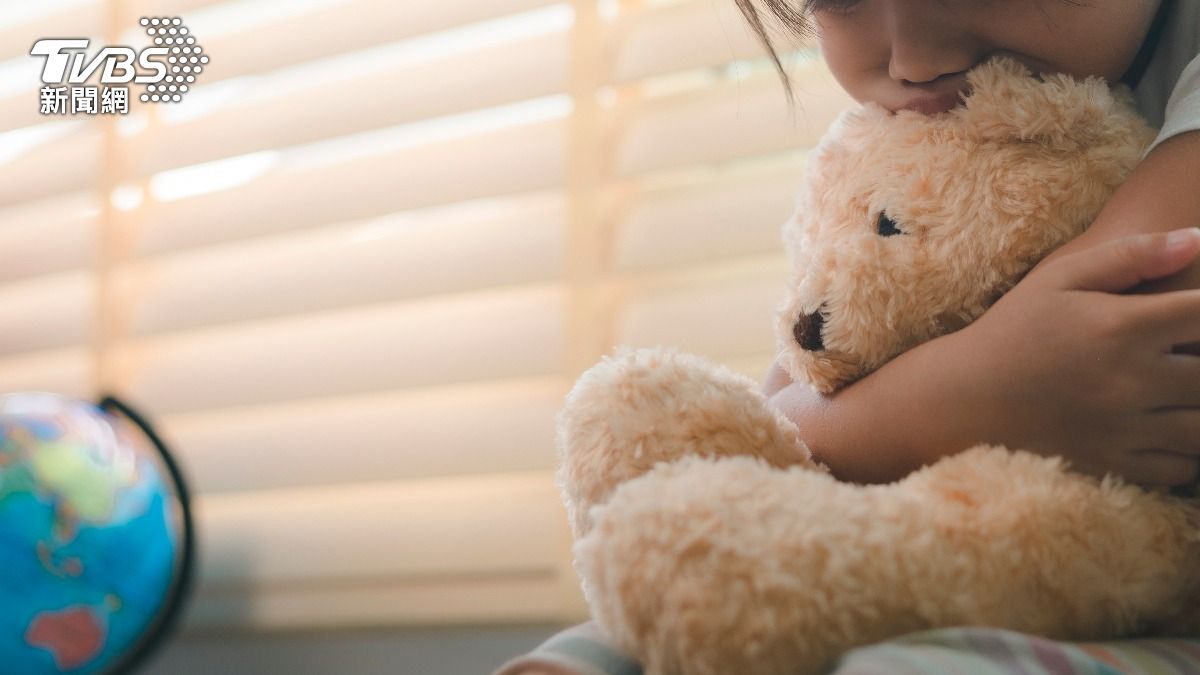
[(65, 371), (461, 526), (680, 36), (64, 163), (22, 110), (525, 597), (151, 8), (79, 19), (295, 193), (723, 313), (48, 236), (727, 121), (493, 244), (482, 336), (335, 29), (710, 220), (329, 107), (753, 366), (381, 437), (48, 312)]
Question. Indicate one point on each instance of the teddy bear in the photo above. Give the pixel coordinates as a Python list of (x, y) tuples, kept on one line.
[(709, 540)]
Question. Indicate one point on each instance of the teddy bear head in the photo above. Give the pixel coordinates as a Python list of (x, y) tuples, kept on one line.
[(909, 226)]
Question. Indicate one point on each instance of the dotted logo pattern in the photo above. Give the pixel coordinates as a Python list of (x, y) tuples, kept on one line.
[(185, 60)]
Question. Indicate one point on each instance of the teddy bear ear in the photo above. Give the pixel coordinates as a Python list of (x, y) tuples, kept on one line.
[(1008, 102)]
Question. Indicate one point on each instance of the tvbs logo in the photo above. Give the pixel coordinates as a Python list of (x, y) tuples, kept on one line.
[(167, 69)]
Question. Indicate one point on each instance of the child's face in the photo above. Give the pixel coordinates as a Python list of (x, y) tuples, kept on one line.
[(912, 54)]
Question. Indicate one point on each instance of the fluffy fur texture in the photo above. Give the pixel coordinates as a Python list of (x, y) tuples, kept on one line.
[(710, 542), (979, 196)]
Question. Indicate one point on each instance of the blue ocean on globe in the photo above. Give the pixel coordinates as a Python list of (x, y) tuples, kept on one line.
[(94, 537)]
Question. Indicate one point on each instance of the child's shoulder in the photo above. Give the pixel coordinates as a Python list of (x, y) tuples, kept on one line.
[(1176, 39)]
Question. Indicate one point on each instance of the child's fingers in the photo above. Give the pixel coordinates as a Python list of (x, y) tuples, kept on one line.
[(1120, 264), (1176, 378), (1159, 468), (1176, 430), (1169, 319)]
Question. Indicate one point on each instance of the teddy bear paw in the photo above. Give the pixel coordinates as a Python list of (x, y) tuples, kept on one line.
[(639, 407)]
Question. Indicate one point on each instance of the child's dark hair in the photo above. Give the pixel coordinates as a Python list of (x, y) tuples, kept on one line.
[(793, 15)]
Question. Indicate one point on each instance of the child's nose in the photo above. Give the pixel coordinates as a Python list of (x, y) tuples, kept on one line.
[(926, 46), (923, 65)]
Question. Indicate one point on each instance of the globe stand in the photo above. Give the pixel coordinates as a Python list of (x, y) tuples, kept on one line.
[(176, 599)]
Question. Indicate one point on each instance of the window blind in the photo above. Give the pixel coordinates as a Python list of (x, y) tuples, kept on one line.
[(354, 273)]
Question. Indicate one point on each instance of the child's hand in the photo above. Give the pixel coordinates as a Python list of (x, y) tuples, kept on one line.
[(1069, 366), (1186, 279)]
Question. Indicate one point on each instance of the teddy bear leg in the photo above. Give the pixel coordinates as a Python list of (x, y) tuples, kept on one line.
[(1184, 621), (712, 567), (1045, 550), (702, 567), (640, 407)]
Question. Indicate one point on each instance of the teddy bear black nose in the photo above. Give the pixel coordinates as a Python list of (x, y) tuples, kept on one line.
[(808, 331)]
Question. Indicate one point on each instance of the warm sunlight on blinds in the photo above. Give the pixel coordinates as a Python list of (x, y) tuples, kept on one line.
[(353, 274)]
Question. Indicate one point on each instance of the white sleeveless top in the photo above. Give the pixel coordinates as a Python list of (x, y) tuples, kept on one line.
[(1168, 94)]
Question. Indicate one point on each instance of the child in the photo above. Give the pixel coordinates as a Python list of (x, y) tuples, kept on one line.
[(1074, 364), (1037, 348)]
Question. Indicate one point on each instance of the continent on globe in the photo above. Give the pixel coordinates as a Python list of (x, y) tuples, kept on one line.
[(87, 482), (95, 537), (73, 636), (68, 567)]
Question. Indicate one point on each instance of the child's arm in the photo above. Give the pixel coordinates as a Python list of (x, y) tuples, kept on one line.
[(1026, 373), (1162, 194)]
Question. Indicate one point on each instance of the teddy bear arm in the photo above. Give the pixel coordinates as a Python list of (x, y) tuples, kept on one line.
[(643, 407)]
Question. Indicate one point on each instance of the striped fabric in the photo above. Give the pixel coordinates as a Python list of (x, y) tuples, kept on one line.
[(578, 650), (986, 651), (583, 650)]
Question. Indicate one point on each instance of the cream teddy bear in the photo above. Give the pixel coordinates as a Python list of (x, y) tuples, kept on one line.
[(710, 542)]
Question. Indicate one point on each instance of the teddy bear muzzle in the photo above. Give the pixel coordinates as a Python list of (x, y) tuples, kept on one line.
[(807, 331)]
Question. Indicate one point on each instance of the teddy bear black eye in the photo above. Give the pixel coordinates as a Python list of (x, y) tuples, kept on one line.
[(886, 226)]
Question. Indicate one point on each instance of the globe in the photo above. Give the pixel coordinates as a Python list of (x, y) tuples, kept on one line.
[(96, 542)]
